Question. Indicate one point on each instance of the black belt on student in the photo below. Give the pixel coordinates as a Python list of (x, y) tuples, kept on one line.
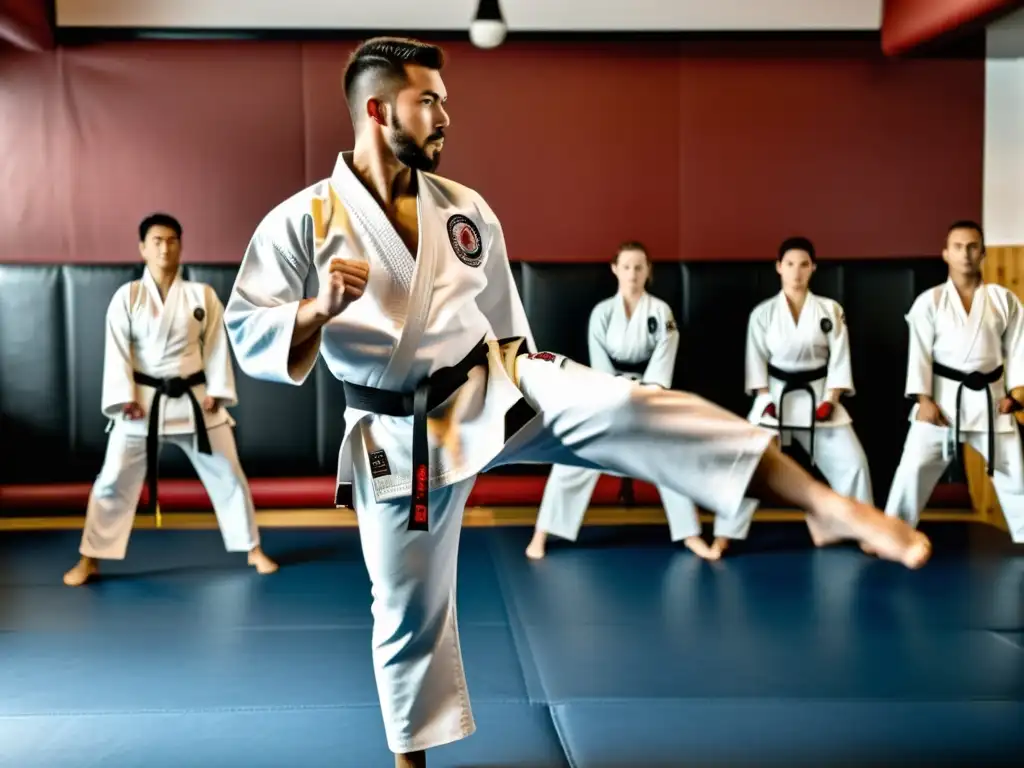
[(977, 381), (174, 387), (796, 381), (638, 368), (427, 396)]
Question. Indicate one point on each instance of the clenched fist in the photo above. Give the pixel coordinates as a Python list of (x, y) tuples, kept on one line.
[(344, 283)]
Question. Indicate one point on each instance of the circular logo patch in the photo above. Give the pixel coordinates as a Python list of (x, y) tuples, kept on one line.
[(652, 324), (199, 314), (465, 240), (826, 325)]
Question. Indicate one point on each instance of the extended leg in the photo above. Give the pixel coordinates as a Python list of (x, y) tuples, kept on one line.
[(417, 660), (567, 495), (682, 441), (112, 504), (225, 482), (922, 464), (1008, 478)]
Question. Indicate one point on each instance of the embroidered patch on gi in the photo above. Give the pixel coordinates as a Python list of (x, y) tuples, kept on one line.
[(826, 325), (671, 325), (465, 240), (652, 324), (548, 356), (199, 314), (379, 466)]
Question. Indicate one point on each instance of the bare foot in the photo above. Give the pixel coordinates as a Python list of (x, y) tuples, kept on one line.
[(721, 544), (700, 548), (535, 551), (84, 570), (411, 760), (264, 565), (887, 537), (821, 535)]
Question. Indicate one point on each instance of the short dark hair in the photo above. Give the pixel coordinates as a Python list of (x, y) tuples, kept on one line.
[(631, 245), (797, 244), (967, 224), (381, 61), (158, 220)]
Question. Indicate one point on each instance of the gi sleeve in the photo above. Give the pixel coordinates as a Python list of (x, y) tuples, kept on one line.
[(662, 364), (500, 301), (597, 339), (757, 355), (260, 313), (118, 360), (840, 370), (220, 372), (1013, 343), (921, 327)]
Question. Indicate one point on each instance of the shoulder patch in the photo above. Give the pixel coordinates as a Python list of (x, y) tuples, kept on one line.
[(826, 325), (670, 325), (199, 313), (465, 240), (652, 324)]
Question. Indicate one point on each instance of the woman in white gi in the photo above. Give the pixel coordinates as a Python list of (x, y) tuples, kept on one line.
[(167, 378), (632, 334), (797, 368)]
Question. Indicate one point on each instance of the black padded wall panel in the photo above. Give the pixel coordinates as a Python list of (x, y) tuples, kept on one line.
[(88, 290), (34, 407)]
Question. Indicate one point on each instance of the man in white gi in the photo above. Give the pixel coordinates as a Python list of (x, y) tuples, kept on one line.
[(632, 334), (441, 384), (797, 368), (167, 378), (965, 368)]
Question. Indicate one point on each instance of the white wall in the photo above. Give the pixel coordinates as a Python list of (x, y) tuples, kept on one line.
[(1003, 188), (520, 15)]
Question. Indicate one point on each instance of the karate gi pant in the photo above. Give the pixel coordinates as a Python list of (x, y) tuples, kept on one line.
[(928, 452), (671, 439), (115, 494), (569, 490), (840, 457)]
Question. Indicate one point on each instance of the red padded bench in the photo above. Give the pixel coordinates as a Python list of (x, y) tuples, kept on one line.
[(318, 493)]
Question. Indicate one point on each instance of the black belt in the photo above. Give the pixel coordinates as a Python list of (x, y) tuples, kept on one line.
[(977, 381), (428, 395), (639, 368), (796, 381), (174, 387)]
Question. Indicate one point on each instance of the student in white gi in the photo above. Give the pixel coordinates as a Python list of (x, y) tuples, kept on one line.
[(441, 330), (166, 329), (632, 334), (798, 367), (965, 369)]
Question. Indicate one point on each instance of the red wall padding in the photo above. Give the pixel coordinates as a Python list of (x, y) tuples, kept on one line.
[(318, 493), (703, 152)]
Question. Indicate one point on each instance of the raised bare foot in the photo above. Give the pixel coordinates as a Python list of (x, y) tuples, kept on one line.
[(887, 537), (264, 565), (700, 548), (535, 551), (84, 570)]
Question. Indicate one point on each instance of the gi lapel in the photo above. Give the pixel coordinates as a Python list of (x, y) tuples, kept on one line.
[(167, 308)]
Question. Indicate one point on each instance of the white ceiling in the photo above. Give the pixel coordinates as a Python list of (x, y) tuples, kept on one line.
[(520, 15)]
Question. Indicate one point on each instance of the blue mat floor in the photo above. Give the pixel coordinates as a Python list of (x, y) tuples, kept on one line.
[(621, 651)]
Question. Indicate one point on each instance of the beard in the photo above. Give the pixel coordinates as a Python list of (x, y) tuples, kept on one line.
[(410, 153)]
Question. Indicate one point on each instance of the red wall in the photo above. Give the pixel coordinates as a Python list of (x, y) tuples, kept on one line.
[(704, 152)]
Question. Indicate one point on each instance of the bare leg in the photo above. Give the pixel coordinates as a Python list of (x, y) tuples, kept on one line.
[(778, 477), (411, 760)]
